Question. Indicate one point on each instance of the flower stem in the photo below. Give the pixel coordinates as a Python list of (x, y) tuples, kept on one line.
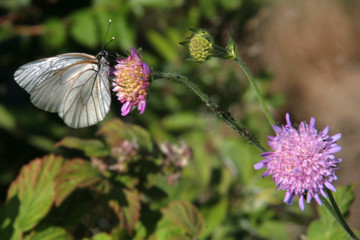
[(335, 211), (223, 115), (258, 94)]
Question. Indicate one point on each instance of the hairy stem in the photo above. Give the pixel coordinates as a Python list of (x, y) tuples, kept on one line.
[(223, 115)]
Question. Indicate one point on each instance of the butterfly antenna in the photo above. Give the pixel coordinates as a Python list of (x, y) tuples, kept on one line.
[(112, 39), (107, 32)]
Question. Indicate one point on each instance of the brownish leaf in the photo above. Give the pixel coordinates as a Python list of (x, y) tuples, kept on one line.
[(127, 208), (185, 215), (78, 173)]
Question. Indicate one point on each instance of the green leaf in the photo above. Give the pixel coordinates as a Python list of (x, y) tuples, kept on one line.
[(35, 189), (167, 230), (84, 29), (44, 143), (8, 213), (185, 215), (78, 173), (231, 4), (125, 32), (7, 121), (51, 233), (326, 226), (6, 31), (344, 196), (163, 45), (273, 230), (55, 33), (214, 215), (92, 148), (14, 4), (183, 121), (319, 231), (116, 131), (101, 236), (240, 156), (126, 205)]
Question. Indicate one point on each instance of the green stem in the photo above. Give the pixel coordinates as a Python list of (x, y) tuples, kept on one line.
[(336, 213), (258, 94), (223, 115)]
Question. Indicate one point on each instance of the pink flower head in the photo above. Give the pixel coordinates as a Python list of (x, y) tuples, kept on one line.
[(132, 78), (301, 161)]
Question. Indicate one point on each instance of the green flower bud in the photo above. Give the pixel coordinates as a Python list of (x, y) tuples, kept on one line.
[(200, 45)]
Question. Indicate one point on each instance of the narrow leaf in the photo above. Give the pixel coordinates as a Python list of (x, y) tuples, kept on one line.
[(51, 233), (91, 148), (185, 215)]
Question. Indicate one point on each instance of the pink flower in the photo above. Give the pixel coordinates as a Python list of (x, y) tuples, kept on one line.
[(301, 161), (132, 78)]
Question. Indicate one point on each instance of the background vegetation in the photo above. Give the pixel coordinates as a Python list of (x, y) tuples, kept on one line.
[(115, 180)]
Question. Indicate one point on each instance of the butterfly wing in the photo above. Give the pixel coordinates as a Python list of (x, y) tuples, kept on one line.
[(74, 85)]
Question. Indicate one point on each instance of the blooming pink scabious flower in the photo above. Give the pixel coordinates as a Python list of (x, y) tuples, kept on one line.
[(301, 161), (132, 78)]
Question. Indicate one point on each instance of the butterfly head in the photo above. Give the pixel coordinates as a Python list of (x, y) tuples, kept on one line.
[(103, 57)]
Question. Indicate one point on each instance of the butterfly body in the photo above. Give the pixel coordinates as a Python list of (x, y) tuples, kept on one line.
[(74, 85)]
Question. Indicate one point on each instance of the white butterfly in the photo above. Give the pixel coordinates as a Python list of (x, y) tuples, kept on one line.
[(74, 85)]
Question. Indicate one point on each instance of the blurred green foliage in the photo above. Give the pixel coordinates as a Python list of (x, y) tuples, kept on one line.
[(218, 195)]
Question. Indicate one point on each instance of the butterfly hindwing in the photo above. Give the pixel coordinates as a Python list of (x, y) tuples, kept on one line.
[(88, 101)]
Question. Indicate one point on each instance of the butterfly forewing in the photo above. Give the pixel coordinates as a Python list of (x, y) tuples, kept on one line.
[(74, 85), (31, 74)]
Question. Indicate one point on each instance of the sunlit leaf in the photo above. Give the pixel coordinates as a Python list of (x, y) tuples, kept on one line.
[(35, 189), (273, 230), (214, 215), (326, 226), (183, 121), (55, 33), (185, 215), (166, 229), (51, 233), (344, 196), (78, 173), (125, 31), (157, 3), (162, 45), (101, 236), (126, 205), (84, 29), (318, 230), (127, 180), (92, 148)]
